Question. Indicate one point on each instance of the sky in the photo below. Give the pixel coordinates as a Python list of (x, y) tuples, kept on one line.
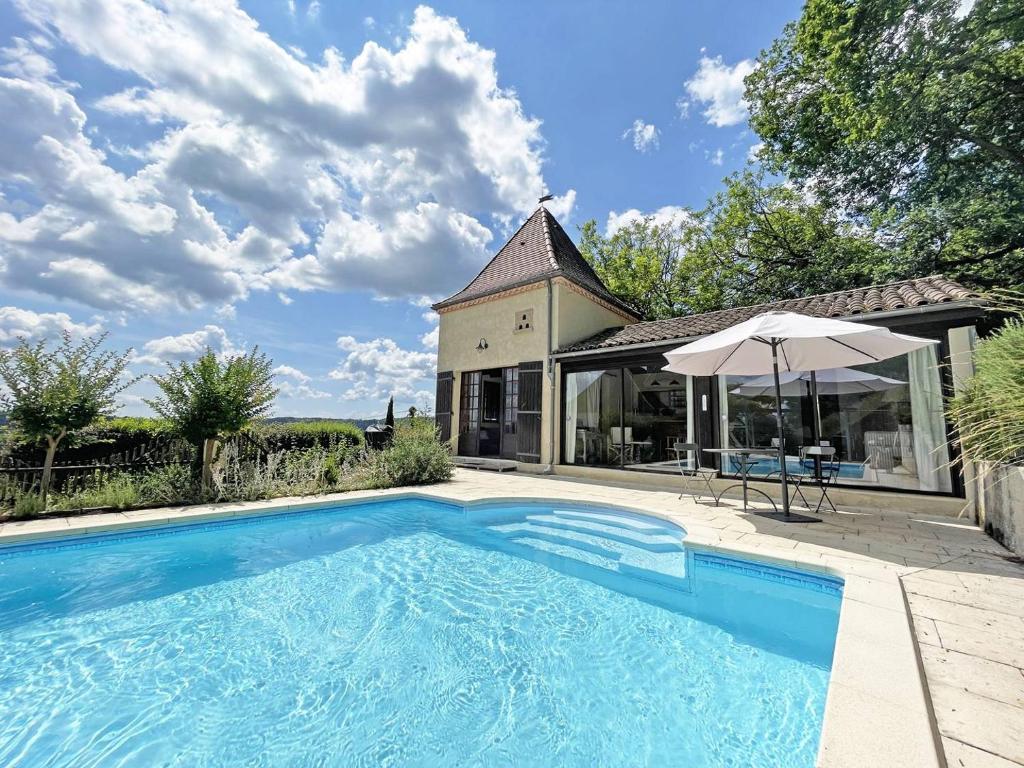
[(308, 175)]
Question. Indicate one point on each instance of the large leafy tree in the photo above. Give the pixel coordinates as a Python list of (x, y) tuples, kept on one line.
[(754, 242), (54, 393), (758, 242), (209, 399), (640, 264), (911, 114)]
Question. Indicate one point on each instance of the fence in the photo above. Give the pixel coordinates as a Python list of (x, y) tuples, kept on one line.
[(139, 451), (22, 472)]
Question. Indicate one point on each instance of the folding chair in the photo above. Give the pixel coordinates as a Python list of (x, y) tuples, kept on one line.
[(695, 473), (822, 456)]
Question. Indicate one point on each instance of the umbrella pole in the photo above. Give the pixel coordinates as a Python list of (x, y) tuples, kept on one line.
[(778, 413)]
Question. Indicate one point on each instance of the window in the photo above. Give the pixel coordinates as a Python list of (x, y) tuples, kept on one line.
[(885, 421), (626, 417), (524, 320), (656, 417), (511, 400)]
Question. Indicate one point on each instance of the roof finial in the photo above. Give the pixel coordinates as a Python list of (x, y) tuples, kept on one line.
[(545, 198)]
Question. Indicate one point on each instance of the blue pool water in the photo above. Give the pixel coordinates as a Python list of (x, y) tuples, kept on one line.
[(767, 465), (410, 633)]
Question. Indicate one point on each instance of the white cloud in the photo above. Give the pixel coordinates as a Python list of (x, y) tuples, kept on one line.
[(291, 373), (715, 158), (313, 10), (270, 172), (369, 22), (430, 338), (379, 368), (284, 298), (17, 323), (296, 384), (667, 214), (720, 88), (644, 135), (291, 390), (754, 151), (187, 346), (561, 206)]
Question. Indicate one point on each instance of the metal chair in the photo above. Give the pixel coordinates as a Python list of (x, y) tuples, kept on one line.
[(693, 473), (620, 445), (822, 471)]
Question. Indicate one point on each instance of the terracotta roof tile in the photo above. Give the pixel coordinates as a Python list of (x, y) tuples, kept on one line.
[(906, 294), (538, 250)]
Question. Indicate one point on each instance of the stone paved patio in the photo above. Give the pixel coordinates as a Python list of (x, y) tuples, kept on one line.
[(965, 599)]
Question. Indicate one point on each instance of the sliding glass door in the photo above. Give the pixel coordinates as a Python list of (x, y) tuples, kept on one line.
[(625, 417), (885, 421)]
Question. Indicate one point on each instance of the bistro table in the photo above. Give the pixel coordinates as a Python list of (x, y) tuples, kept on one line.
[(745, 454)]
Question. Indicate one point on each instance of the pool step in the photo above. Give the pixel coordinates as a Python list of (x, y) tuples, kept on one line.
[(617, 521), (661, 541), (639, 557)]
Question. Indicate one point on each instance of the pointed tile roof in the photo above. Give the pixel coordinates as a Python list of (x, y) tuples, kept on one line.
[(540, 249)]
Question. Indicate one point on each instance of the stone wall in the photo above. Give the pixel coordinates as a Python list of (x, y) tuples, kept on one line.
[(1001, 504)]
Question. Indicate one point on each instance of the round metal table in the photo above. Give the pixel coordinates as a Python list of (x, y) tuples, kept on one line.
[(745, 455)]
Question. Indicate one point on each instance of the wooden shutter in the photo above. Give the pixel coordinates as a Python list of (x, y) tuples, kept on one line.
[(528, 418), (469, 415), (443, 405)]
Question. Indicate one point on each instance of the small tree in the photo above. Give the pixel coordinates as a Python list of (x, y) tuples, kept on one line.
[(54, 393), (389, 420), (209, 399)]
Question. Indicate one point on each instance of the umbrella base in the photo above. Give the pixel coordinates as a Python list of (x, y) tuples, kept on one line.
[(782, 517)]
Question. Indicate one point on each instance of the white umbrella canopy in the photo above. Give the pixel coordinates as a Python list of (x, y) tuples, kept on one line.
[(803, 343), (831, 381), (776, 342)]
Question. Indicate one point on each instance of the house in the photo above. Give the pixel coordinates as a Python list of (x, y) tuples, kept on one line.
[(539, 363)]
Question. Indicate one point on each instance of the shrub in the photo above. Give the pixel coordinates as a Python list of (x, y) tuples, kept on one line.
[(141, 426), (52, 394), (109, 490), (209, 399), (415, 457), (989, 412), (169, 484), (27, 504), (306, 434)]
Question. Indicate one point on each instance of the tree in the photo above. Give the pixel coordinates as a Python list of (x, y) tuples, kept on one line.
[(908, 112), (389, 419), (758, 242), (210, 399), (754, 242), (639, 263), (52, 394)]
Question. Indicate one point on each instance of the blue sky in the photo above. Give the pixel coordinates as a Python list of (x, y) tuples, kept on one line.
[(308, 176)]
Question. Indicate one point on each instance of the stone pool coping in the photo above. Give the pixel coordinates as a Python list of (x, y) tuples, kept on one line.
[(878, 711)]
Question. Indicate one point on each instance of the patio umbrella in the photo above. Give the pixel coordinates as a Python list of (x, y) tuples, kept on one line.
[(833, 381), (778, 342)]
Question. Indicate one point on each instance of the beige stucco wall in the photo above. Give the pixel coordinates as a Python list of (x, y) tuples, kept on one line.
[(494, 320), (574, 317), (577, 316)]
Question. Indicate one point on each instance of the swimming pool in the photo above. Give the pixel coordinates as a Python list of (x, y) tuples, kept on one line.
[(410, 632)]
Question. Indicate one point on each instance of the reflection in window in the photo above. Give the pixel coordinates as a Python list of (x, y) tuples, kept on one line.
[(656, 417), (603, 429), (593, 417), (884, 419)]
